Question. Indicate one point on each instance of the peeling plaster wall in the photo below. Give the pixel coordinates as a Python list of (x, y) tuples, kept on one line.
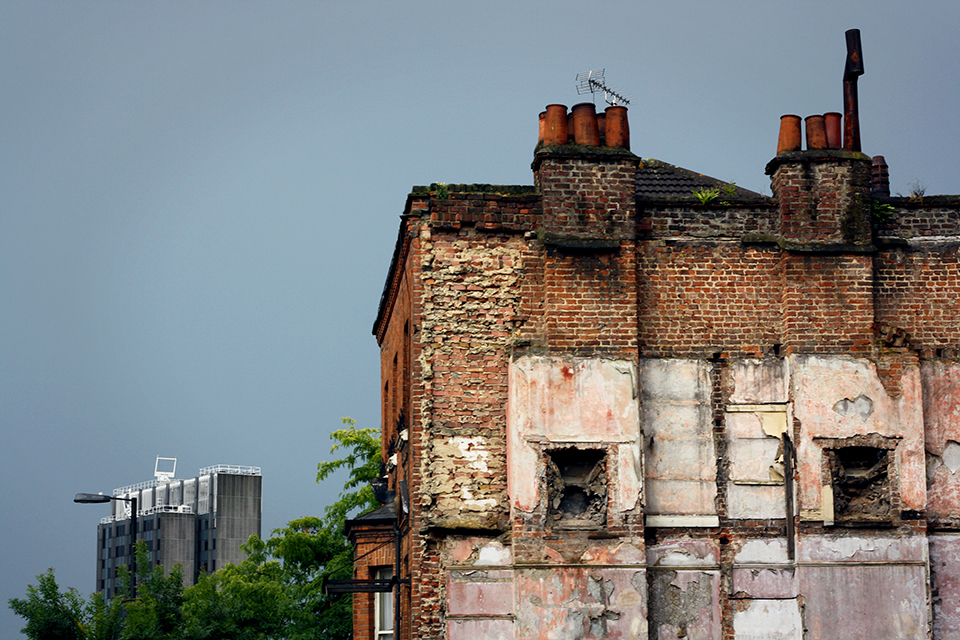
[(769, 620), (684, 586), (584, 402), (574, 603), (941, 415), (864, 587), (841, 397), (470, 284), (681, 467), (945, 585)]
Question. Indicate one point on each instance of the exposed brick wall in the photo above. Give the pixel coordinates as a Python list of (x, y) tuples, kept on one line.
[(698, 297), (487, 209), (471, 304), (922, 217), (824, 197), (587, 196), (827, 303), (714, 221), (919, 291), (590, 302)]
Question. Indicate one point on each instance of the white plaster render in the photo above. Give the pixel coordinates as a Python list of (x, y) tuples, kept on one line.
[(764, 551), (769, 620), (702, 553), (819, 384), (473, 449), (495, 554), (680, 464), (846, 548), (576, 401), (755, 501), (754, 435), (941, 414)]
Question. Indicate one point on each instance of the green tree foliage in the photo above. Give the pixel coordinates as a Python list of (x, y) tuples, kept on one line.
[(275, 594), (363, 462), (50, 614), (155, 614)]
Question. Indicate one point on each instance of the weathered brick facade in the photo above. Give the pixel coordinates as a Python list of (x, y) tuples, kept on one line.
[(611, 410)]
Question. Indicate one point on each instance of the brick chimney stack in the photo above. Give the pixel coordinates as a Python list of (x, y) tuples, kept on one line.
[(588, 232), (824, 228)]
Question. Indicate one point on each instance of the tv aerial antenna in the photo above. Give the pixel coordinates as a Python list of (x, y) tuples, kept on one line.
[(592, 82)]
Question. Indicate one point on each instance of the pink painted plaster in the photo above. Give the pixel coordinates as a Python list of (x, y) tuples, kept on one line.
[(945, 585), (580, 401), (941, 412), (819, 383)]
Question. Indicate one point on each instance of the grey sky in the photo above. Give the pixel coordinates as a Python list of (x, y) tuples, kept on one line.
[(198, 201)]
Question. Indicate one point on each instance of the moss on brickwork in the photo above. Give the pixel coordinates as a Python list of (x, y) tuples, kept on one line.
[(496, 189)]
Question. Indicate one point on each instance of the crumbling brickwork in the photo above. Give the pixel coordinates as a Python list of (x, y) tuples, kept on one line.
[(614, 411)]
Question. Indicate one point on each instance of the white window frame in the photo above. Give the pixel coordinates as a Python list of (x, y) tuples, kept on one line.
[(383, 608)]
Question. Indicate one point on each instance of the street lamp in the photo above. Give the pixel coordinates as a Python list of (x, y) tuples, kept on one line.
[(97, 498)]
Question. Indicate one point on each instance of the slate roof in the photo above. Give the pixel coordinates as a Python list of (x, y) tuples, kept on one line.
[(658, 180), (386, 513)]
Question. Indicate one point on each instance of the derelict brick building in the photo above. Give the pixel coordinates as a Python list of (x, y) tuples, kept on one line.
[(613, 410)]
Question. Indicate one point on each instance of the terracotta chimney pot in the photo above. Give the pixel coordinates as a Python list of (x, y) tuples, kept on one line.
[(789, 134), (816, 132), (555, 125), (834, 124), (617, 129), (585, 129)]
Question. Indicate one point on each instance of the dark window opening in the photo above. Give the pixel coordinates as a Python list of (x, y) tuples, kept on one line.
[(861, 483), (577, 488)]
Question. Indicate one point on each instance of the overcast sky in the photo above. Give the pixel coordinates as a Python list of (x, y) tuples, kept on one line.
[(199, 201)]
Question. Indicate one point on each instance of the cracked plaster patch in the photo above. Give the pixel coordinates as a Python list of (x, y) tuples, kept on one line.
[(860, 406)]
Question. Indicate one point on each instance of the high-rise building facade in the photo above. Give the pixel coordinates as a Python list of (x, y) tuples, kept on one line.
[(198, 523)]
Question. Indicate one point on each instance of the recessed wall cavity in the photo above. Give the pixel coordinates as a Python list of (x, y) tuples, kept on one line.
[(861, 483), (577, 488)]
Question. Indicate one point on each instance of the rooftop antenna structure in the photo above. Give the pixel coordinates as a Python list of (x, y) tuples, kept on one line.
[(165, 469), (592, 82)]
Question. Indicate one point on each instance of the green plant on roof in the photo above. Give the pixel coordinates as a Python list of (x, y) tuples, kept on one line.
[(730, 189), (440, 190), (706, 196)]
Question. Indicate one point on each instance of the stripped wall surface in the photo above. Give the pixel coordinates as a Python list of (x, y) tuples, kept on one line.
[(618, 413)]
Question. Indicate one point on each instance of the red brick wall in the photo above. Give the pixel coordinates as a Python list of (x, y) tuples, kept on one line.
[(589, 302), (374, 550), (827, 303), (824, 197), (698, 297), (919, 292), (591, 196)]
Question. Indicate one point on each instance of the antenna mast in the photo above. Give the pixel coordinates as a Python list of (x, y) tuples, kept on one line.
[(592, 82)]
